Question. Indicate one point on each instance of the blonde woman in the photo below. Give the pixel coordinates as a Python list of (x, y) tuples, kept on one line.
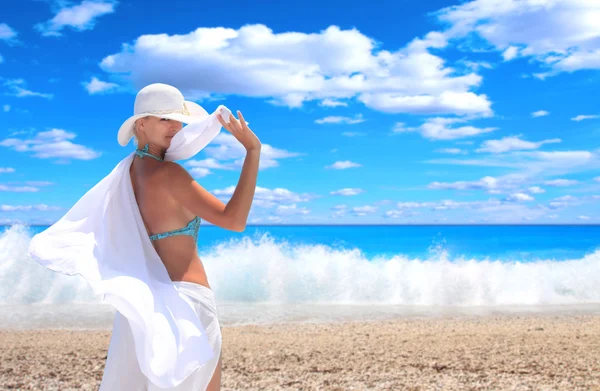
[(166, 332)]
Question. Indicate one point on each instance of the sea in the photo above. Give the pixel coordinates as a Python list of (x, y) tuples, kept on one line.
[(329, 273)]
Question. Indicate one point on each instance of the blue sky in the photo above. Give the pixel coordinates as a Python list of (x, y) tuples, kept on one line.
[(404, 112)]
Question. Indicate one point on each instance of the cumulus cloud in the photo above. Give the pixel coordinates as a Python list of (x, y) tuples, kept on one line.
[(452, 151), (519, 197), (343, 165), (17, 88), (536, 190), (561, 35), (55, 143), (512, 143), (7, 33), (346, 192), (268, 198), (27, 208), (4, 170), (332, 103), (561, 182), (353, 134), (227, 153), (540, 113), (510, 53), (533, 165), (485, 183), (290, 68), (563, 201), (363, 210), (79, 17), (291, 210), (341, 120), (582, 117), (440, 129), (19, 189), (96, 86)]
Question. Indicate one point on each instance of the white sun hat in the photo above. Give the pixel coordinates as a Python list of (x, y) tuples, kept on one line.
[(164, 101)]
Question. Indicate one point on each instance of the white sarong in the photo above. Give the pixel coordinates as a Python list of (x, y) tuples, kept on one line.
[(122, 372), (103, 239)]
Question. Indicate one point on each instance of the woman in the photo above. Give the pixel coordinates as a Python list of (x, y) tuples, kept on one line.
[(154, 282)]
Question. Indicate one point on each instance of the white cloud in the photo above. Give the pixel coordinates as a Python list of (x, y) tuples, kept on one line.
[(6, 108), (564, 201), (597, 179), (268, 198), (438, 129), (519, 197), (95, 86), (16, 86), (583, 217), (582, 117), (19, 189), (7, 33), (536, 190), (39, 183), (340, 120), (400, 127), (363, 210), (353, 134), (533, 165), (291, 210), (452, 151), (486, 183), (540, 113), (290, 68), (510, 53), (561, 35), (346, 192), (4, 170), (226, 147), (342, 165), (27, 208), (51, 144), (561, 182), (332, 103), (79, 17), (476, 65), (512, 143)]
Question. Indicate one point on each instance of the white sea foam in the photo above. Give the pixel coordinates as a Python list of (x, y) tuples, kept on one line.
[(264, 270)]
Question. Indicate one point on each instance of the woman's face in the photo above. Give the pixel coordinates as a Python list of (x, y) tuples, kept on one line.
[(157, 131)]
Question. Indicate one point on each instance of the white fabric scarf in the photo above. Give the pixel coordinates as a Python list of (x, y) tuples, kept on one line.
[(103, 239)]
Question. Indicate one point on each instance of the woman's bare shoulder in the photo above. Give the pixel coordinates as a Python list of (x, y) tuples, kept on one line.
[(175, 171)]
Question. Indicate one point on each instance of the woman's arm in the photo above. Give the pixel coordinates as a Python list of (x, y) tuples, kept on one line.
[(205, 205), (239, 205), (194, 197)]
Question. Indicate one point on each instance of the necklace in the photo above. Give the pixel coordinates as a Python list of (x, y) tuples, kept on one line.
[(144, 152)]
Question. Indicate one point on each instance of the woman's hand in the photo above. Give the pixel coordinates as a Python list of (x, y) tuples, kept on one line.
[(241, 131)]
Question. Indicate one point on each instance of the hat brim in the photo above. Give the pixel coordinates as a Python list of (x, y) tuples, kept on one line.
[(197, 113)]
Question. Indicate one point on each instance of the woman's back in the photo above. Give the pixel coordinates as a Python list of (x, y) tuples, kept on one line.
[(163, 214)]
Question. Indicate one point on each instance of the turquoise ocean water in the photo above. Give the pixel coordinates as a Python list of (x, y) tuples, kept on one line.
[(273, 274)]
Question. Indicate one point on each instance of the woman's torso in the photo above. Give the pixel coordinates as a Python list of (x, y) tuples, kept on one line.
[(161, 213)]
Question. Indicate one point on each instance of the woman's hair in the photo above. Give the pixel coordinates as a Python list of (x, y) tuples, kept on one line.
[(135, 138)]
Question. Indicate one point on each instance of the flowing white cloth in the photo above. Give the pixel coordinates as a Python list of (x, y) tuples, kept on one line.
[(122, 372), (103, 239)]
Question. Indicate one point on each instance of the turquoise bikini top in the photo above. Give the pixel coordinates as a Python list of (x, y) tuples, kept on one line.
[(191, 228)]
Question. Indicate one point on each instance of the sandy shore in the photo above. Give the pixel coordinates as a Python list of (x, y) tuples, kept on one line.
[(492, 353)]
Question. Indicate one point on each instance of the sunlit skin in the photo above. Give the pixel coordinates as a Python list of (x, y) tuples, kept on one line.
[(157, 133)]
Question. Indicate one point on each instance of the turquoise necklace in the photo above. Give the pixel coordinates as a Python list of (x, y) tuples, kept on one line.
[(144, 152)]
